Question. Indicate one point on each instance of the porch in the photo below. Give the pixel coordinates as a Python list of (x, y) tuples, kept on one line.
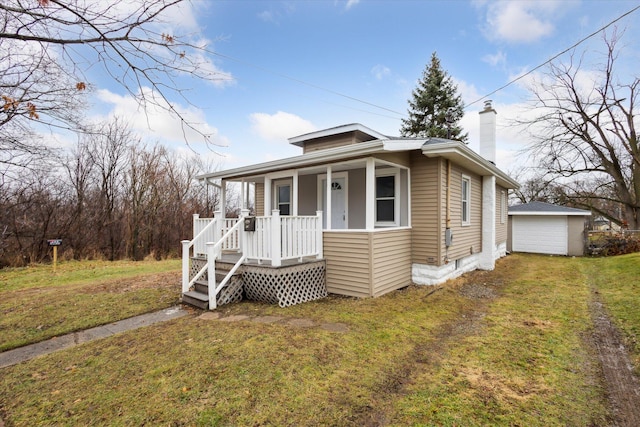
[(275, 259)]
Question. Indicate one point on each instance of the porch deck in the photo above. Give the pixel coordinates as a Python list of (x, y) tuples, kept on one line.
[(292, 282), (235, 263)]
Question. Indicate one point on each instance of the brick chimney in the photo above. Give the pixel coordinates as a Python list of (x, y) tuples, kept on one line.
[(488, 132)]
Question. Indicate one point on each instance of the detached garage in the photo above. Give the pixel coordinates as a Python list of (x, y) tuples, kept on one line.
[(543, 228)]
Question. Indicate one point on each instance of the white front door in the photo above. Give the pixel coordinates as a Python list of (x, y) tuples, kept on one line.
[(338, 201)]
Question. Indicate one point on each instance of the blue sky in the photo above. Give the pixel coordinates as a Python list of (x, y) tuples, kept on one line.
[(291, 67)]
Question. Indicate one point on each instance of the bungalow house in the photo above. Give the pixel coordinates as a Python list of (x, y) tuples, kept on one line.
[(359, 213)]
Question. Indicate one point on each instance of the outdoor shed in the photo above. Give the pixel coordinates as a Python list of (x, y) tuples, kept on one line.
[(545, 228)]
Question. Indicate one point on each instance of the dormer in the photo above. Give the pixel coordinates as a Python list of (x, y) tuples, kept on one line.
[(335, 137)]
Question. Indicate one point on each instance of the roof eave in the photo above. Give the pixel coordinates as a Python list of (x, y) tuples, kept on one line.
[(550, 213), (460, 153), (301, 139), (315, 157)]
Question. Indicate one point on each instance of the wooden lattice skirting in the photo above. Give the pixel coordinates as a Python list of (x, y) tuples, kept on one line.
[(287, 285)]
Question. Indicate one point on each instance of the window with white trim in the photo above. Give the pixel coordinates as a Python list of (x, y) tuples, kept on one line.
[(503, 207), (465, 213), (387, 194)]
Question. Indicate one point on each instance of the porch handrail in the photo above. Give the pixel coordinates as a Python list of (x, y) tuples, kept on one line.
[(186, 249), (213, 252)]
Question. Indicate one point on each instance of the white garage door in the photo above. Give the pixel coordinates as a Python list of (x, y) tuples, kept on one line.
[(540, 234)]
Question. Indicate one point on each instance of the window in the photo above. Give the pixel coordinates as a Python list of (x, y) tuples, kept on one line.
[(283, 198), (503, 207), (386, 198), (466, 200)]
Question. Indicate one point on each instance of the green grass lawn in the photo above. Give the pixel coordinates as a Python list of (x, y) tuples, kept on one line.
[(508, 347), (617, 280), (37, 303)]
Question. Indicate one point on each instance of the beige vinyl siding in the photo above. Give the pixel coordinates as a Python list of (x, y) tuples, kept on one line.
[(425, 208), (366, 264), (259, 199), (467, 239), (324, 143), (348, 263), (335, 141), (391, 260), (576, 229), (501, 228)]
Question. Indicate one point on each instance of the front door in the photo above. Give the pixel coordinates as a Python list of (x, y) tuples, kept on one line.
[(338, 201)]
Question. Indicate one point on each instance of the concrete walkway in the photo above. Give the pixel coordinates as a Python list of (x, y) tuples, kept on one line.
[(22, 354)]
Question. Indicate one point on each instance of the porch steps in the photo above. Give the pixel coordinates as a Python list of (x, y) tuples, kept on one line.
[(199, 296)]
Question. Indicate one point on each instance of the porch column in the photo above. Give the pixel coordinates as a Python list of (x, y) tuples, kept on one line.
[(276, 239), (223, 198), (319, 236), (294, 191), (267, 195), (487, 259), (370, 194), (328, 191), (243, 204)]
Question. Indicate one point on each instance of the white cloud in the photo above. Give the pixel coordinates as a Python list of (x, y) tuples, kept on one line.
[(279, 126), (159, 124), (351, 3), (522, 21), (379, 71), (468, 91), (500, 58), (267, 16)]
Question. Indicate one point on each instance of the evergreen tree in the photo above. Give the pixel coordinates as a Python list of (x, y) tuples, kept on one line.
[(433, 100)]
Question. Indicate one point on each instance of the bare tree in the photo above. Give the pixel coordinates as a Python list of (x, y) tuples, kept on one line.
[(585, 134), (110, 149), (47, 46)]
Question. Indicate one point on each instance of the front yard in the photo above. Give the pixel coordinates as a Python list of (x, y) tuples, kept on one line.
[(508, 347)]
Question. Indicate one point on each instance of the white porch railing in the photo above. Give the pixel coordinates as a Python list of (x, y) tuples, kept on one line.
[(204, 231), (276, 238)]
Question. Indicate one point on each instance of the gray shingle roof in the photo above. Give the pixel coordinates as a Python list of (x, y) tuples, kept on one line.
[(542, 208)]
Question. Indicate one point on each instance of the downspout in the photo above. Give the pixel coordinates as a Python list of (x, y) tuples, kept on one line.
[(447, 231)]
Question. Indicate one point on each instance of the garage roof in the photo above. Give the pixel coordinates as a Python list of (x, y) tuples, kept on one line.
[(542, 208)]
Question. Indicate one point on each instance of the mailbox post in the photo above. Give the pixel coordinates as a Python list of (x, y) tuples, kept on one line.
[(55, 243)]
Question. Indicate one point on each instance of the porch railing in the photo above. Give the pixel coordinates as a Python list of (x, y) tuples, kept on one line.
[(211, 230), (276, 238)]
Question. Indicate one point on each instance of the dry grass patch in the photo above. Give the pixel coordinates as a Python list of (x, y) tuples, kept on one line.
[(490, 348), (37, 304), (617, 280), (526, 365), (197, 372)]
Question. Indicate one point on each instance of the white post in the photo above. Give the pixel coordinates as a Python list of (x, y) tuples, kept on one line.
[(276, 239), (242, 192), (319, 235), (294, 191), (218, 218), (329, 201), (370, 194), (243, 234), (211, 274), (223, 198), (267, 195), (185, 265), (195, 231)]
